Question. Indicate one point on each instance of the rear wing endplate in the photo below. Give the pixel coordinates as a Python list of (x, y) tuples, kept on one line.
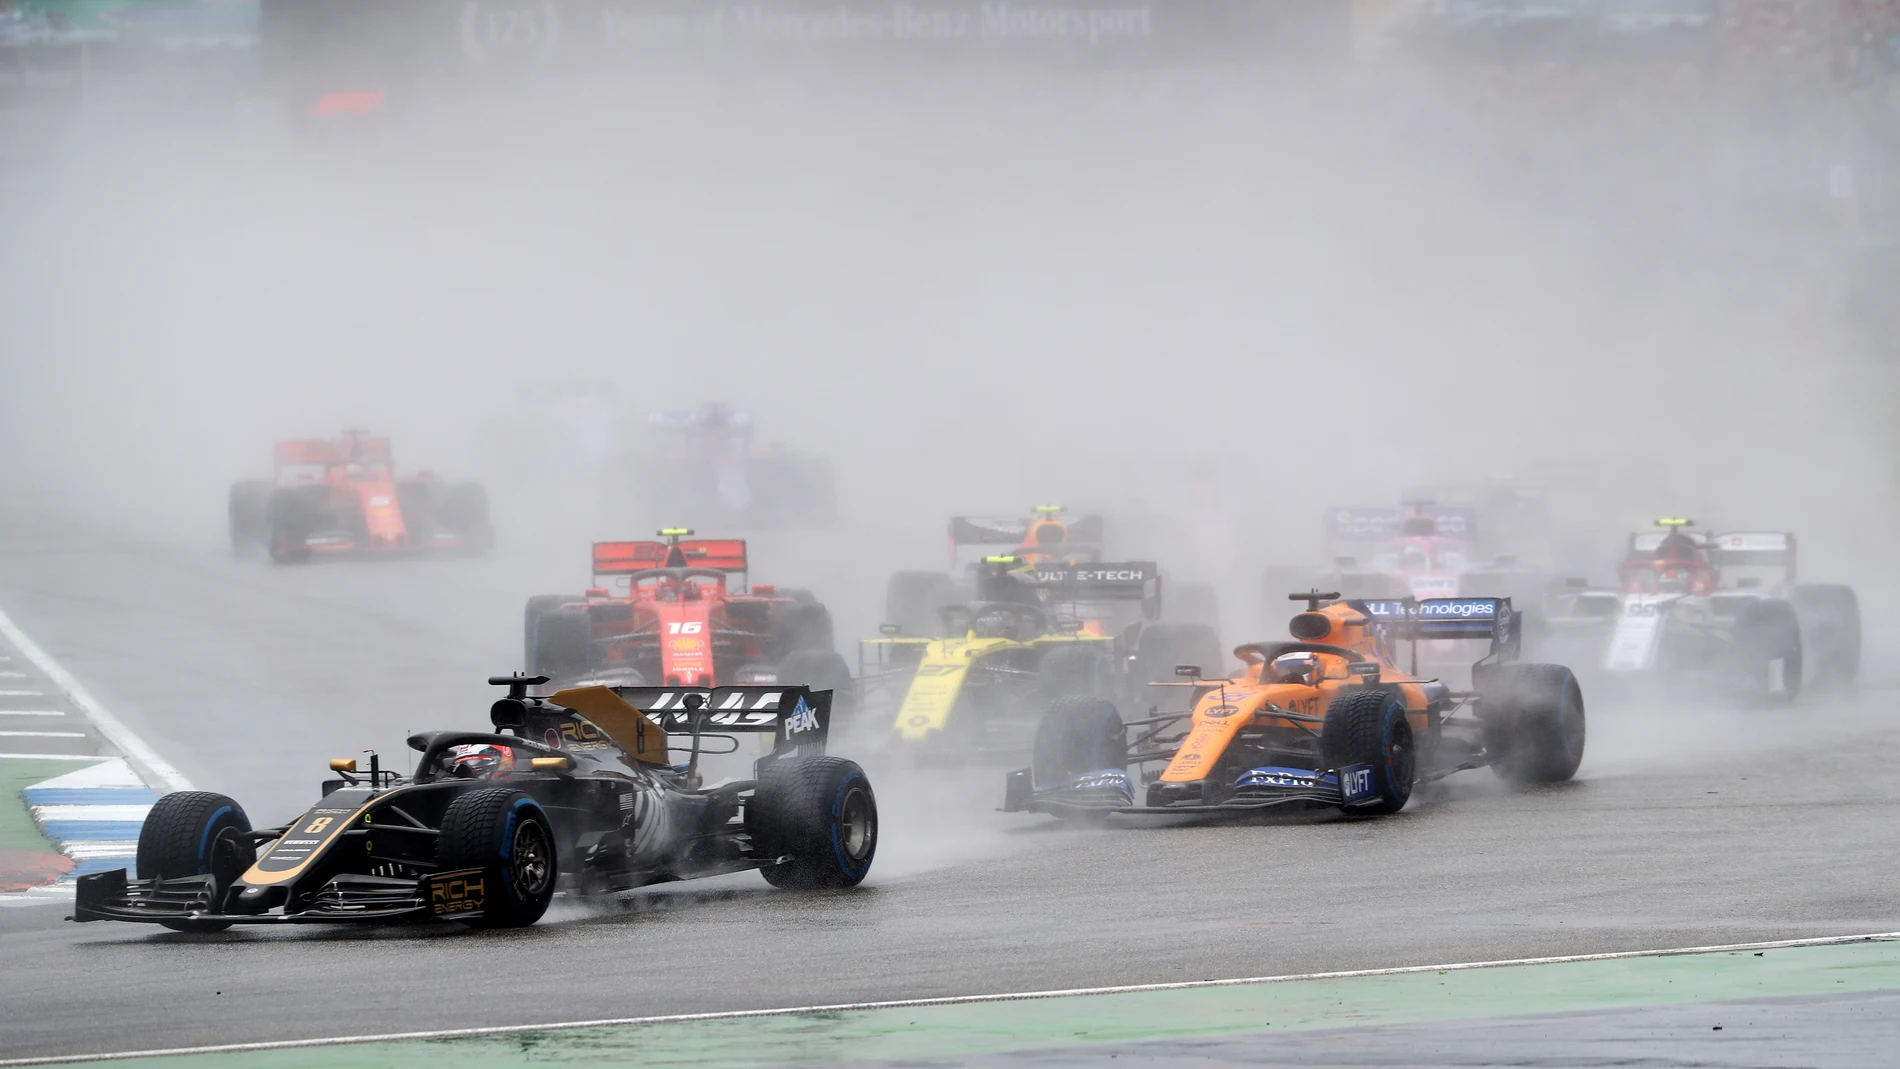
[(1752, 549)]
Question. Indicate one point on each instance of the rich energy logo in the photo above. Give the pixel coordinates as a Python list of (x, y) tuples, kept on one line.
[(457, 892)]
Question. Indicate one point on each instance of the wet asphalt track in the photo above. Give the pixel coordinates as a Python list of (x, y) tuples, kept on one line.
[(1693, 829)]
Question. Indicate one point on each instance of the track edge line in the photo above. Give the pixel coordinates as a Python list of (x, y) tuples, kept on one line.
[(948, 1000), (155, 770)]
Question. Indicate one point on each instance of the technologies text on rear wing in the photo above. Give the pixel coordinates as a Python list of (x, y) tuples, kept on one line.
[(1432, 619)]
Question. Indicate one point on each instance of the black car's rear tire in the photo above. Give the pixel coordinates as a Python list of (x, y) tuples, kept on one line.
[(1534, 727), (563, 645), (1370, 727), (1077, 736), (196, 833), (507, 835), (821, 815)]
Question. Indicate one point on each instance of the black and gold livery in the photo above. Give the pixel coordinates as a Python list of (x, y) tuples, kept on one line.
[(588, 800)]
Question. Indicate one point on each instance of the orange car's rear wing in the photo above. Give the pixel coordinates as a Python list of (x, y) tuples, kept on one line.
[(1442, 618)]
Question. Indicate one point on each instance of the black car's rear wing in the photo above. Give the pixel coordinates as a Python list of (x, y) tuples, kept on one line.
[(799, 718)]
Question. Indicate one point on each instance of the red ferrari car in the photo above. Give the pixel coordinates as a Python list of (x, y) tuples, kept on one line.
[(342, 496), (679, 613)]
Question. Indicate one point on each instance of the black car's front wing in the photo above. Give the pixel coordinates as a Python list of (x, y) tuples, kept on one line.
[(455, 895)]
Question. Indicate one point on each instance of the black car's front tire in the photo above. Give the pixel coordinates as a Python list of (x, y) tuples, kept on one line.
[(507, 835), (196, 833), (820, 815)]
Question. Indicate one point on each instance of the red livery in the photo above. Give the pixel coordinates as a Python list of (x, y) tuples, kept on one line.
[(342, 496), (678, 613)]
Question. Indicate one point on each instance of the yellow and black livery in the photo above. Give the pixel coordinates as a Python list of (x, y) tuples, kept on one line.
[(1038, 631)]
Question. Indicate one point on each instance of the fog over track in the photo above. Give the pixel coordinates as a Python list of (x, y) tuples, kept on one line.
[(1208, 303)]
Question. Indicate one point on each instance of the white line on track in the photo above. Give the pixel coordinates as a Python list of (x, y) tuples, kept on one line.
[(156, 771), (11, 675), (44, 734), (32, 712), (22, 694), (953, 1000), (57, 756)]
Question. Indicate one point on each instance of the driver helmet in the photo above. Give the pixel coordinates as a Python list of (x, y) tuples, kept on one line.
[(480, 760), (1414, 558), (1294, 668), (994, 623), (355, 470), (1676, 546)]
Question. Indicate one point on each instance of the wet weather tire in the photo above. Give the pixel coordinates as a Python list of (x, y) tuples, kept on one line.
[(1370, 727), (538, 606), (563, 645), (1534, 726), (820, 815), (1163, 646), (821, 670), (290, 515), (804, 625), (1077, 671), (507, 835), (247, 512), (911, 601), (1830, 629), (464, 511), (196, 833), (1768, 653), (1075, 737)]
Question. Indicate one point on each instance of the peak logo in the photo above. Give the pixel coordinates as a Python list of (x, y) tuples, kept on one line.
[(801, 720)]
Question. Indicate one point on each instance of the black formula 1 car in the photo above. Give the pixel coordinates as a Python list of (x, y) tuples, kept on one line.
[(572, 793)]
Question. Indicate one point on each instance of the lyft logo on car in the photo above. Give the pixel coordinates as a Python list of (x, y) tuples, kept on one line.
[(1355, 784)]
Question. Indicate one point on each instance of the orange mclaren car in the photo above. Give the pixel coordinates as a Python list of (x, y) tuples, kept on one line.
[(1328, 718)]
